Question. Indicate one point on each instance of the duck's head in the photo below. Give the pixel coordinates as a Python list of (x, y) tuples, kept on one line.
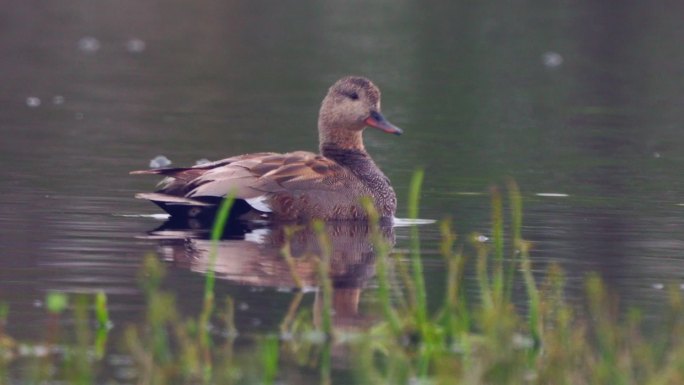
[(352, 104)]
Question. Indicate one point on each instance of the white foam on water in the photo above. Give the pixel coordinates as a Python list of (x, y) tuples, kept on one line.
[(257, 236), (135, 45), (88, 44), (404, 222), (33, 101), (160, 217)]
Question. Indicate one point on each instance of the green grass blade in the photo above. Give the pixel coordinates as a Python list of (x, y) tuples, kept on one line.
[(208, 304), (325, 282), (416, 262), (534, 299), (270, 357), (498, 241), (101, 311), (216, 233), (515, 201), (381, 254)]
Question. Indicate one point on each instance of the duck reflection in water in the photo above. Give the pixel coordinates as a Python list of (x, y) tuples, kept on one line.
[(285, 256)]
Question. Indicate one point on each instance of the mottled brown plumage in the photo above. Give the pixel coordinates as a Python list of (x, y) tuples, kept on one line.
[(298, 185)]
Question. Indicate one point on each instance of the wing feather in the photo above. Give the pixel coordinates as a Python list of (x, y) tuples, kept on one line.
[(273, 180)]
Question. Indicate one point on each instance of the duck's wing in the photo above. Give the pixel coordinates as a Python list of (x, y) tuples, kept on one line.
[(189, 173), (179, 180), (255, 178)]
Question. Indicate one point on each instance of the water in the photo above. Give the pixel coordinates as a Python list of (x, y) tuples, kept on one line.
[(578, 102)]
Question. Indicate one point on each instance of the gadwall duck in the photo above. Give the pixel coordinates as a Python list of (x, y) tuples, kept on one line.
[(298, 185)]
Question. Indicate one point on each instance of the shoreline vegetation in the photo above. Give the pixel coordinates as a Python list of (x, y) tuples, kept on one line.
[(487, 338)]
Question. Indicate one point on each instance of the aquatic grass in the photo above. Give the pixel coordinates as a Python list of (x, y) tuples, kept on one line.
[(103, 323), (497, 240), (420, 298), (459, 333), (502, 345), (454, 315), (6, 342), (169, 347), (517, 242), (286, 324), (534, 300), (56, 302), (101, 311), (270, 349), (286, 252), (79, 365), (324, 281), (217, 230), (485, 333), (73, 355), (382, 251), (326, 291)]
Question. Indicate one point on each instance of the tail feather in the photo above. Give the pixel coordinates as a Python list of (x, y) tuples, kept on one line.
[(141, 172), (160, 171), (171, 199)]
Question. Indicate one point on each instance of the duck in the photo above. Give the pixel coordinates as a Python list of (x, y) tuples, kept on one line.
[(299, 185)]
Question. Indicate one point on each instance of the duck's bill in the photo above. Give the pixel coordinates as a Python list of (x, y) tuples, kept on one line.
[(376, 120)]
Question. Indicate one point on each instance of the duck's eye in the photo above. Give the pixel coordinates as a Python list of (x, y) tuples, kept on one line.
[(354, 96)]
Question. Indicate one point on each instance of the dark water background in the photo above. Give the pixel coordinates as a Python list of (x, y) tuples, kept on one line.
[(579, 101)]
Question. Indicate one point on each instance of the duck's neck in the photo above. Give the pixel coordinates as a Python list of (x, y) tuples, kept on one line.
[(356, 159), (342, 145), (342, 138)]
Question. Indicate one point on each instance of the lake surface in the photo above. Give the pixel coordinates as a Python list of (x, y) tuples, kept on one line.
[(579, 102)]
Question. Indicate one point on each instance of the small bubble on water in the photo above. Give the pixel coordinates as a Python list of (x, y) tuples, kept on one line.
[(481, 238), (202, 161), (135, 45), (656, 155), (658, 286), (457, 348), (120, 360), (159, 161), (552, 195), (286, 336), (522, 342), (469, 193), (79, 116), (33, 101), (88, 44), (33, 350), (315, 337), (552, 59), (530, 375), (126, 373), (243, 306), (58, 99), (419, 381)]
